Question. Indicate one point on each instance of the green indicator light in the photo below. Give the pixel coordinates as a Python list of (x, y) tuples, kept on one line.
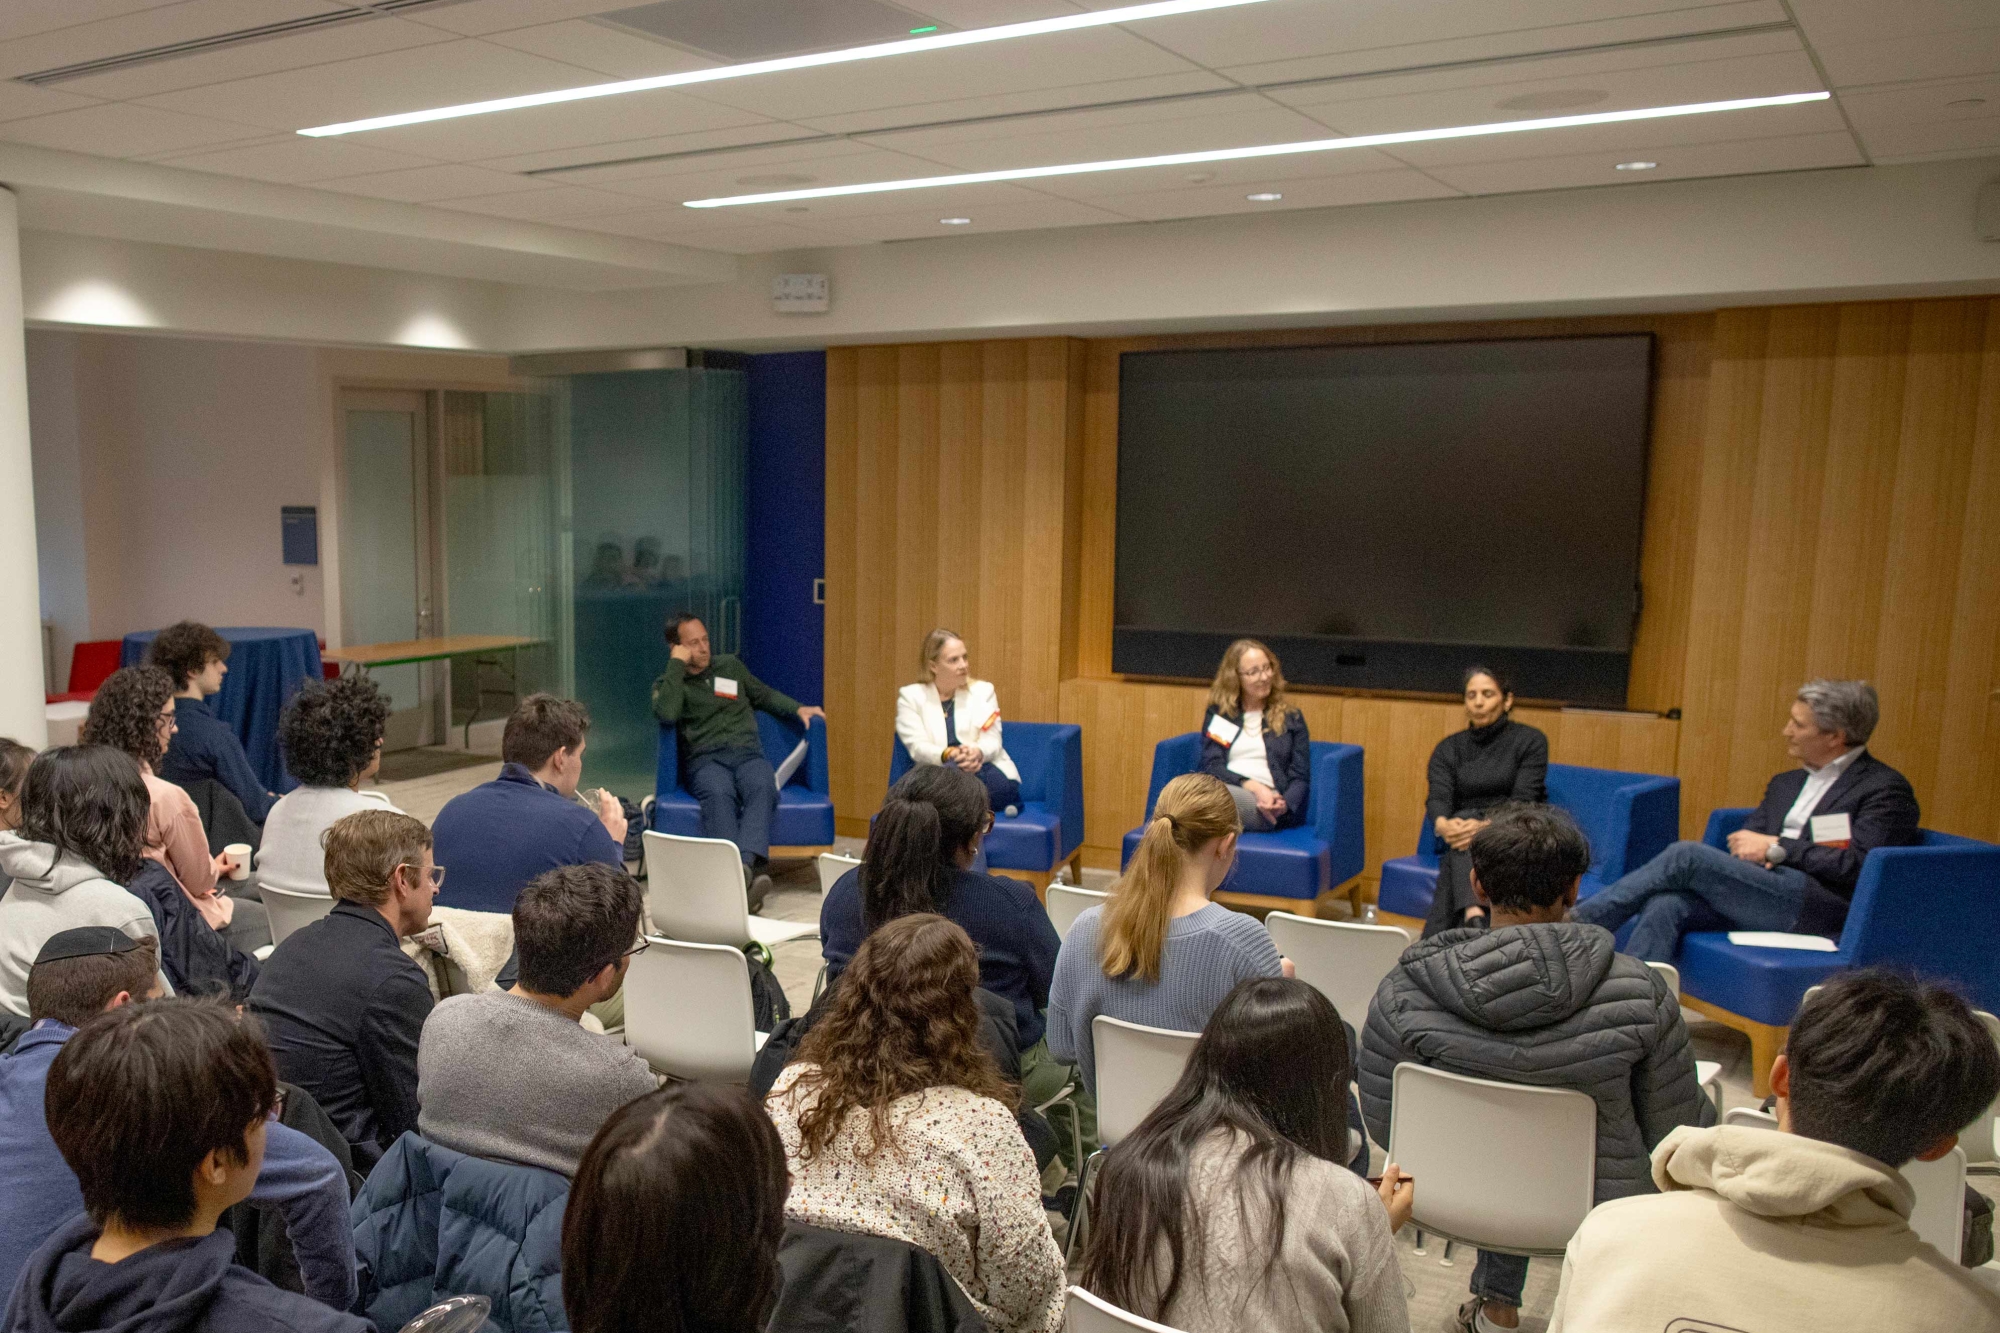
[(932, 28)]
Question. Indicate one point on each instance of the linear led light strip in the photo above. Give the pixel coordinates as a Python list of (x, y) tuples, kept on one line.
[(937, 42), (1265, 150)]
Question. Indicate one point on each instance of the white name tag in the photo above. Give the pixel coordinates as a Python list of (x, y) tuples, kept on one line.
[(1832, 830), (1222, 731), (725, 688)]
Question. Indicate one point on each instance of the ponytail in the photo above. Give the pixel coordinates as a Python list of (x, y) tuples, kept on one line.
[(1193, 811), (936, 811)]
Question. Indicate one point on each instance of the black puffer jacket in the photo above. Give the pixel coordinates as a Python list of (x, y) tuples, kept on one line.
[(1547, 1005)]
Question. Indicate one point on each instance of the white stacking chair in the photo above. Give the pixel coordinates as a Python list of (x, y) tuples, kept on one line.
[(1344, 961), (1085, 1313), (292, 911), (832, 865), (1527, 1199), (688, 1010), (695, 892), (1981, 1139), (1136, 1067), (1708, 1073), (1067, 902)]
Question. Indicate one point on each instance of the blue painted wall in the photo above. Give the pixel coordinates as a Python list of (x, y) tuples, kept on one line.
[(784, 632)]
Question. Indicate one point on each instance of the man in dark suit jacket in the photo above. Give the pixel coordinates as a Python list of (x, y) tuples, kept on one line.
[(1794, 863)]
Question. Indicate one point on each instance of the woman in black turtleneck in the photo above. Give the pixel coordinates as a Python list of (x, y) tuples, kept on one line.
[(1493, 761)]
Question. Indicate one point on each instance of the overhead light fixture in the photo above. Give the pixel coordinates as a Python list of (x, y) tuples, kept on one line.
[(956, 222), (1636, 166), (933, 41), (1265, 150), (1266, 197)]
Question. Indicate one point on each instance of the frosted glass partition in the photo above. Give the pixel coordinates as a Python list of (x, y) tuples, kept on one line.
[(379, 543)]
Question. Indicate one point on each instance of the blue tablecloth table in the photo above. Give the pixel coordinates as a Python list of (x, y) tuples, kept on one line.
[(266, 667)]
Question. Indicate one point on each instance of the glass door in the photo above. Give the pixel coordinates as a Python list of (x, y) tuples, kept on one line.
[(388, 559)]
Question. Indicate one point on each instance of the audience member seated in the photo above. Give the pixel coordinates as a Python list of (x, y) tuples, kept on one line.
[(344, 1006), (896, 1123), (1229, 1210), (134, 712), (690, 1160), (1541, 1001), (1793, 864), (1492, 762), (161, 1111), (512, 1075), (14, 760), (1807, 1227), (712, 701), (80, 974), (206, 749), (1256, 742), (503, 833), (947, 717), (331, 737), (81, 837), (1159, 952)]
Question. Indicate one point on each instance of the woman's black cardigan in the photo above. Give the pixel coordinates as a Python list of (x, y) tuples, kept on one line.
[(1289, 753)]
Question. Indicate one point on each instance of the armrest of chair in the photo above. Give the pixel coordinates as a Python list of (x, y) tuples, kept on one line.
[(1336, 806), (1724, 821), (668, 777), (1062, 783), (819, 768), (1648, 814), (899, 759)]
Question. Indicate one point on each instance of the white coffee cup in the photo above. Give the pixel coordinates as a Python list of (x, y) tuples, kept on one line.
[(239, 859)]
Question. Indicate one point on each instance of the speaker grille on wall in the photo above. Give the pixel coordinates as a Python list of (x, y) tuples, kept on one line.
[(1987, 215)]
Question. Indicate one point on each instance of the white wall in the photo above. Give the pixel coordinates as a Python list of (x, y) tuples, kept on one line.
[(59, 542)]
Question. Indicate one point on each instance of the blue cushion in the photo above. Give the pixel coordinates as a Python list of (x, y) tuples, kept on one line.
[(1049, 756), (1290, 863), (1761, 984), (1031, 840), (805, 807), (1409, 886)]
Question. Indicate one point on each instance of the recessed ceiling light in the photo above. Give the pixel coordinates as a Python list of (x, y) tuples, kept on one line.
[(1264, 197), (1264, 150), (956, 222), (1637, 166), (938, 41)]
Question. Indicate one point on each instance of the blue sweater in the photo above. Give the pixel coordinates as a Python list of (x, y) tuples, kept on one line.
[(206, 747), (1017, 945), (39, 1193), (495, 838)]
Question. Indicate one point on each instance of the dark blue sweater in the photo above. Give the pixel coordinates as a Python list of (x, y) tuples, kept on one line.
[(495, 838), (207, 747), (1017, 944)]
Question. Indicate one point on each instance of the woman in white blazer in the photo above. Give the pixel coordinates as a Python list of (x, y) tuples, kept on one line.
[(950, 718)]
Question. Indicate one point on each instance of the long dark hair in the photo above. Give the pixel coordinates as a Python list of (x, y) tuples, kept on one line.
[(932, 814), (675, 1215), (89, 801), (125, 714), (1271, 1067)]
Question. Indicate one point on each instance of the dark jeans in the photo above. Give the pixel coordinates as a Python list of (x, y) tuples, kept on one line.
[(1500, 1277), (1692, 886), (738, 791), (1001, 790)]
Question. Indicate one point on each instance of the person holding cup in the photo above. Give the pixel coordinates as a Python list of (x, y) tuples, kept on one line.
[(133, 711)]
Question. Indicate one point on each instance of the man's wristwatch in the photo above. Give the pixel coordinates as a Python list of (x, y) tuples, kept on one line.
[(1774, 855)]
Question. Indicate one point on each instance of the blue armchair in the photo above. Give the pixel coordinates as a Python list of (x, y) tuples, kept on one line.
[(1629, 818), (1292, 865), (1932, 908), (805, 807), (1049, 828)]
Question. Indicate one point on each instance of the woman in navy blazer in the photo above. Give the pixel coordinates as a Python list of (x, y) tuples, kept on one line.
[(1256, 742)]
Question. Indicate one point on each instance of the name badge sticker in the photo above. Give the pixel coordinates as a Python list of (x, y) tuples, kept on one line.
[(1222, 731), (1832, 830), (725, 688)]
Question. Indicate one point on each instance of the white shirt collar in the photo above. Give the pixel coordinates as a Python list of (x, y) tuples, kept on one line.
[(1833, 768)]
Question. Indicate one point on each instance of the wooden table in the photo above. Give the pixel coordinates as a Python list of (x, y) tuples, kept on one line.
[(484, 649)]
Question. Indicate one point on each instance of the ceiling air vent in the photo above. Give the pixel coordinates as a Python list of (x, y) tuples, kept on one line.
[(742, 30)]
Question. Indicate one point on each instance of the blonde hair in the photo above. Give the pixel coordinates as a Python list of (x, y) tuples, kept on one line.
[(934, 643), (363, 850), (1225, 696), (1193, 811)]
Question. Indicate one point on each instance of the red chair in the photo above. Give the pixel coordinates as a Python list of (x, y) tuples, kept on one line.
[(89, 664)]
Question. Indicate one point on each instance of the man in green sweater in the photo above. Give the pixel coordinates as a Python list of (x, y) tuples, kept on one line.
[(710, 700)]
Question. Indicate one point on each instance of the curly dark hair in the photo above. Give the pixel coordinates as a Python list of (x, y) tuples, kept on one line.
[(89, 801), (903, 1019), (125, 714), (329, 731), (184, 648)]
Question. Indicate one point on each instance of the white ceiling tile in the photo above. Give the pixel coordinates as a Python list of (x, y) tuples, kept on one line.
[(807, 166), (1928, 55), (319, 46), (509, 135), (148, 28), (290, 159), (1739, 157), (1227, 121), (1837, 21), (1634, 139), (991, 13), (634, 153), (1901, 105), (1191, 201), (762, 238), (25, 18), (1029, 102), (1968, 139), (477, 18), (1017, 215), (612, 53), (118, 129), (943, 202), (20, 100), (1239, 177), (430, 183), (558, 203)]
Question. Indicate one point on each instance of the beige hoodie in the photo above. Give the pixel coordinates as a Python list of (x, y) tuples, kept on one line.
[(1762, 1232)]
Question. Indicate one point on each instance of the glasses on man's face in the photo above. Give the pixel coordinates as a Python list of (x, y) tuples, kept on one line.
[(437, 874), (633, 952)]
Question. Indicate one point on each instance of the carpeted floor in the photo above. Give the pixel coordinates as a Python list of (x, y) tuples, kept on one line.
[(429, 761)]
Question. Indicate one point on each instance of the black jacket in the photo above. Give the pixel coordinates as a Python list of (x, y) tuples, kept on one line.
[(345, 1009), (1290, 755), (846, 1282), (1882, 812), (1552, 1006), (196, 959)]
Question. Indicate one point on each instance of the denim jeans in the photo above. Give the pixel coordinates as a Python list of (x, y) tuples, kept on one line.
[(738, 791), (1692, 886), (1500, 1277)]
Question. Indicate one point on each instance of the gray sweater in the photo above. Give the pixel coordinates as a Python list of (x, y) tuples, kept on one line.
[(1206, 954), (505, 1078)]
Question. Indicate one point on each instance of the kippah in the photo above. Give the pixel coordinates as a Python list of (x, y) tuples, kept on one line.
[(85, 942)]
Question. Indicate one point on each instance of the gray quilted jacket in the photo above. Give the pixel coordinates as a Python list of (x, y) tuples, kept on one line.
[(1549, 1005)]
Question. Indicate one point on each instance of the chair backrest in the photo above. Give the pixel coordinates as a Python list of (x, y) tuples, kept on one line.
[(90, 663), (293, 911), (1085, 1313), (832, 865), (776, 736), (1749, 1117), (1333, 799), (688, 1010), (1136, 1067), (1905, 892), (1067, 902), (694, 889), (1529, 1197), (1981, 1136), (1671, 974), (1629, 817), (1344, 961)]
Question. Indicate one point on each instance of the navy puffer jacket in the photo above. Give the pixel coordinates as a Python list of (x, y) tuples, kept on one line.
[(1548, 1005), (432, 1223)]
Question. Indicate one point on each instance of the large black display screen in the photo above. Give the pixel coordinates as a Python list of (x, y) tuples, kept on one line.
[(1385, 516)]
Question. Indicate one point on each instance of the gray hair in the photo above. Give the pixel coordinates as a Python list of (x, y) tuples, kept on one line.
[(1849, 707)]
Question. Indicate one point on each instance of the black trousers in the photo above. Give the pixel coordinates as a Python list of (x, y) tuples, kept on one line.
[(1454, 891)]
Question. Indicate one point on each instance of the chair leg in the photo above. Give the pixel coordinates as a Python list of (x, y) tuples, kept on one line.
[(1419, 1249), (1081, 1210), (1446, 1262)]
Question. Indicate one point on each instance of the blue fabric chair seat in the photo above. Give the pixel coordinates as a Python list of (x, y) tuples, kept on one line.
[(1049, 827), (805, 807), (1285, 863)]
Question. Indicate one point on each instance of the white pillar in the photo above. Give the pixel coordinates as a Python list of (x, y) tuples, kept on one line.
[(23, 713)]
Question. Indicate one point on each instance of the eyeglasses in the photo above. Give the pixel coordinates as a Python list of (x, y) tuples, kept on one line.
[(1255, 673), (437, 874), (633, 952)]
